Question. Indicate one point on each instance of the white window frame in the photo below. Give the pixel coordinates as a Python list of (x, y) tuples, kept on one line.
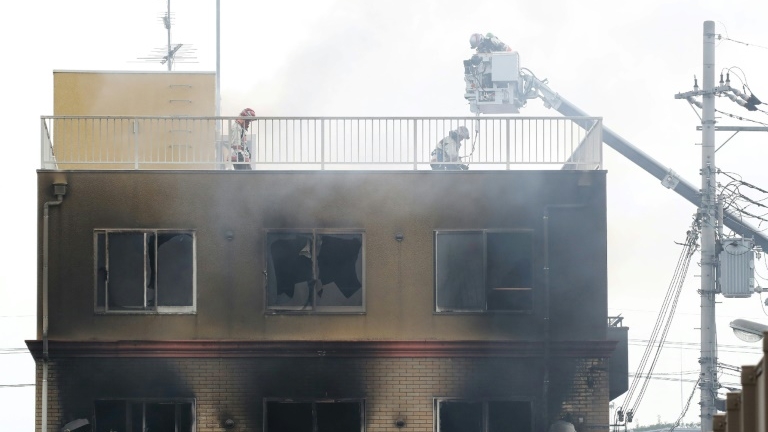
[(144, 401), (484, 401), (314, 402), (146, 309), (484, 233), (313, 308)]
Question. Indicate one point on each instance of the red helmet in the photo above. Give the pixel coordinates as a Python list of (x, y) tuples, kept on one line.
[(248, 113)]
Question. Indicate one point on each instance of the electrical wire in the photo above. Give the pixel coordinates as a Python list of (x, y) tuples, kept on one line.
[(740, 118), (726, 38), (661, 327), (676, 286), (687, 405)]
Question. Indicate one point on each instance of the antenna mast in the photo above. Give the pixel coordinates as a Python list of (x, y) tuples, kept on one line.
[(170, 54), (167, 22)]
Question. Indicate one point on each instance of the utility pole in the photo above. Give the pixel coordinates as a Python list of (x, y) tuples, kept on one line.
[(708, 215)]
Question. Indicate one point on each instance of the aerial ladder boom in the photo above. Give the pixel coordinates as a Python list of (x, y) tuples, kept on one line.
[(487, 94)]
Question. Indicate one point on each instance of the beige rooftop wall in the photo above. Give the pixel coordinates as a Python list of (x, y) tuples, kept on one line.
[(93, 93)]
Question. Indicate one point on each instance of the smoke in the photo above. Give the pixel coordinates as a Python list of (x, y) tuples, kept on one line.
[(82, 381)]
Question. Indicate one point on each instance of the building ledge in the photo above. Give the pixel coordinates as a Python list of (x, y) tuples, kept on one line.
[(241, 348)]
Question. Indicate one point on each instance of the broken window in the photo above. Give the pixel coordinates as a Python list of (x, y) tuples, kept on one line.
[(315, 271), (483, 416), (143, 416), (483, 271), (315, 416), (145, 271)]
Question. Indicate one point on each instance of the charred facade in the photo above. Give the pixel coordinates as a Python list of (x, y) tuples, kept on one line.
[(325, 300)]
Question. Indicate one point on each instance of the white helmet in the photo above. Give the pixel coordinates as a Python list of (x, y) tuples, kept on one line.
[(462, 132), (475, 40)]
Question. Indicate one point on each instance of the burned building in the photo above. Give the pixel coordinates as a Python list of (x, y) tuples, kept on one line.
[(305, 296)]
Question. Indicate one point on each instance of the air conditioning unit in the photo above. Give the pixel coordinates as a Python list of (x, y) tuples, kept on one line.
[(737, 267)]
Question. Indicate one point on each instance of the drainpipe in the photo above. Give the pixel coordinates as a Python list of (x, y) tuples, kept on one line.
[(59, 189), (547, 322)]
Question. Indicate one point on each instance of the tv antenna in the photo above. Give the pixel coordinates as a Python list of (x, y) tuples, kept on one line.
[(172, 53)]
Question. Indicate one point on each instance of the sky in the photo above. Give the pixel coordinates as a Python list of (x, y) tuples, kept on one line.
[(618, 60)]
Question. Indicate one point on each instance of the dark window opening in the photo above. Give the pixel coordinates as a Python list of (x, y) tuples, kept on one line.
[(110, 416), (175, 272), (144, 271), (485, 416), (483, 271), (338, 417), (461, 417), (506, 416), (137, 416), (323, 416), (314, 271)]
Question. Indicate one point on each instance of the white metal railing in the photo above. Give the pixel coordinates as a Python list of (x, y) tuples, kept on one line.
[(115, 142)]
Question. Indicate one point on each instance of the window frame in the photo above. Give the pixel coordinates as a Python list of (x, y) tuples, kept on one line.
[(147, 310), (314, 402), (484, 233), (314, 308), (127, 402), (485, 410)]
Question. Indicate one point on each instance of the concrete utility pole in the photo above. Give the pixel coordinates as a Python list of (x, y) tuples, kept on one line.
[(708, 214)]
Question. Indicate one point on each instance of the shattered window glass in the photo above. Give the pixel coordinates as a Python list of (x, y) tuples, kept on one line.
[(479, 416), (321, 416), (314, 271), (483, 270), (145, 270), (290, 276), (340, 270)]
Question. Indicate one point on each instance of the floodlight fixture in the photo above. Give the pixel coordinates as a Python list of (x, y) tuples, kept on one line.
[(748, 331)]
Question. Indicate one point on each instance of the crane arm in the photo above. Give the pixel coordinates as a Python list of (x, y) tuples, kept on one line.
[(669, 178)]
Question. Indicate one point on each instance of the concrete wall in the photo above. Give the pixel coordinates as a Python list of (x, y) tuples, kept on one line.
[(109, 93), (399, 280), (105, 142)]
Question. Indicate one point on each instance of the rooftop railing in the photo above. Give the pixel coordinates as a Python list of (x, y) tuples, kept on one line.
[(320, 143)]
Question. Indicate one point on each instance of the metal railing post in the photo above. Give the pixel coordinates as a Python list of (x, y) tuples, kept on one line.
[(415, 147), (42, 142), (322, 144), (509, 157), (135, 144), (599, 144)]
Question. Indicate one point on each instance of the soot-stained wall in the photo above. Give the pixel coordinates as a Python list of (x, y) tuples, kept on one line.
[(229, 212), (392, 388)]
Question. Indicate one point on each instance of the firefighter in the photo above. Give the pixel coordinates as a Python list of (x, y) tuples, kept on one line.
[(487, 43), (447, 150), (240, 154)]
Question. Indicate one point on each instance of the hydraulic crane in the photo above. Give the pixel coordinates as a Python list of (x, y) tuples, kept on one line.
[(496, 84)]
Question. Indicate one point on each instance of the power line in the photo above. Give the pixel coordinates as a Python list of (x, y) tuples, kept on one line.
[(696, 344), (726, 38), (687, 405)]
